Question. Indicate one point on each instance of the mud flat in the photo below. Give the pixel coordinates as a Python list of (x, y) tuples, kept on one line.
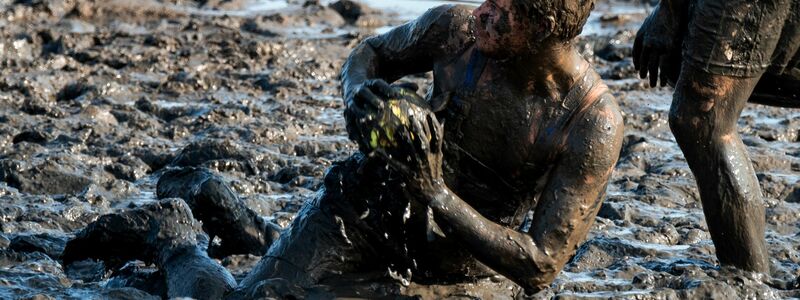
[(99, 98)]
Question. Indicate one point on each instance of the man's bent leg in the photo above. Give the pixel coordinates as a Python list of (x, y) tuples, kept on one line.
[(223, 214), (344, 229), (164, 233), (703, 118)]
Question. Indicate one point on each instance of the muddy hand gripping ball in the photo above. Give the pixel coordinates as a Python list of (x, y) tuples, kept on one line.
[(392, 128)]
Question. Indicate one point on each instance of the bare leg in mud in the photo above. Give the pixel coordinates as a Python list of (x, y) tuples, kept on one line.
[(212, 201), (344, 229), (163, 233), (166, 234), (703, 118)]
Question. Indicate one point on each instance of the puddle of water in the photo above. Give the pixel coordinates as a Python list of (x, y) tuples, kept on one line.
[(634, 294), (255, 7), (629, 12), (586, 277), (143, 197), (263, 5), (310, 32), (657, 247), (170, 104)]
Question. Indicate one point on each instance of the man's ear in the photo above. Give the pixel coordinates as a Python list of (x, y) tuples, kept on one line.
[(548, 26)]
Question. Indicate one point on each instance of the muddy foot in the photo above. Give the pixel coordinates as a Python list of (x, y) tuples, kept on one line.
[(241, 230)]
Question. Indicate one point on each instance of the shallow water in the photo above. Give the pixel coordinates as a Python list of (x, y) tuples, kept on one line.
[(89, 119)]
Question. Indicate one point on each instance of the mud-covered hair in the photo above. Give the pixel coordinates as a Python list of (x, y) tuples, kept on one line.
[(569, 15)]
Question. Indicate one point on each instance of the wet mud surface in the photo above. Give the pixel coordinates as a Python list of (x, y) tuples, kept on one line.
[(98, 99)]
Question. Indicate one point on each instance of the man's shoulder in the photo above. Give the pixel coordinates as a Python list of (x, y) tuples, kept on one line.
[(451, 26), (601, 122), (448, 15)]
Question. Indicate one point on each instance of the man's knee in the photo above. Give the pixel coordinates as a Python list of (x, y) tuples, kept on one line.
[(697, 101), (685, 121)]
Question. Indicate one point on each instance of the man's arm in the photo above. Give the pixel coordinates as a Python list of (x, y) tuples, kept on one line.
[(563, 215), (407, 49)]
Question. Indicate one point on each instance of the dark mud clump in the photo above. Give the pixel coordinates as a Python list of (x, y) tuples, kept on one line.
[(100, 99)]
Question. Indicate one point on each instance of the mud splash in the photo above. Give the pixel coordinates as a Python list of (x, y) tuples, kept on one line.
[(99, 98)]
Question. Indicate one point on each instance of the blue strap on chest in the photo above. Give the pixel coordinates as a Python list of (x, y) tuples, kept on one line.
[(474, 70), (475, 60)]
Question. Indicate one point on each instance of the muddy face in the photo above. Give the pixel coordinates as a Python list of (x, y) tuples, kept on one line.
[(499, 31)]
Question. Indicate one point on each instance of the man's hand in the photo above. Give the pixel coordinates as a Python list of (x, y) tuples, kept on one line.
[(367, 100), (658, 45), (422, 168), (360, 104)]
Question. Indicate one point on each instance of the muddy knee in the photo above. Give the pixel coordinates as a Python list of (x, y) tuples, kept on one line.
[(692, 115), (707, 106), (687, 125)]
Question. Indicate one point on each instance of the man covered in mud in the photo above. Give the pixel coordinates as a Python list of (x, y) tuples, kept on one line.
[(506, 178), (720, 55)]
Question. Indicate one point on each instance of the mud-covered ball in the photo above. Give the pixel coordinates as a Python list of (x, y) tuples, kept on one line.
[(391, 128)]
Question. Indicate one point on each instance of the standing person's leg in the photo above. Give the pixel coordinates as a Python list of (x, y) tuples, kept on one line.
[(703, 118)]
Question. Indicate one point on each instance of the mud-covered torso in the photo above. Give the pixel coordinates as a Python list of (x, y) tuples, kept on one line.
[(500, 142)]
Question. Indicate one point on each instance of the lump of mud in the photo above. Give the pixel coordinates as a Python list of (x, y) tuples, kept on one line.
[(74, 90), (357, 13), (11, 257), (615, 211), (619, 70), (86, 270), (197, 153), (267, 85), (348, 9), (253, 26), (136, 276), (4, 241), (285, 175), (275, 288), (36, 106), (794, 196), (614, 52), (51, 245), (46, 178), (154, 157), (136, 234), (32, 136), (600, 252), (124, 172)]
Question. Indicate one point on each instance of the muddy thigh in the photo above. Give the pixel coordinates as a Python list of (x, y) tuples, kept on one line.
[(355, 224)]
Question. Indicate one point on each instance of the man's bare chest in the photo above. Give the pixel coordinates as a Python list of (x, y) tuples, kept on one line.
[(494, 156), (489, 125), (493, 123)]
